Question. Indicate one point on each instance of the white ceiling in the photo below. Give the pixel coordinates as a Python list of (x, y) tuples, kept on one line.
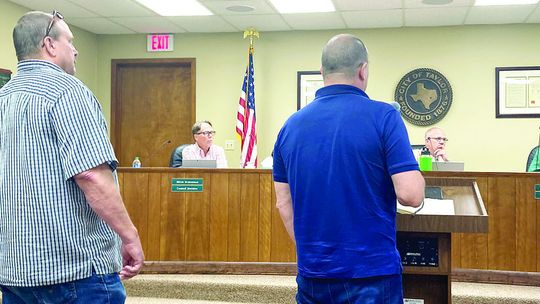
[(129, 17)]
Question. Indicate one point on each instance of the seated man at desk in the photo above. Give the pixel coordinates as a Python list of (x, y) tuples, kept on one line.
[(204, 148), (436, 143)]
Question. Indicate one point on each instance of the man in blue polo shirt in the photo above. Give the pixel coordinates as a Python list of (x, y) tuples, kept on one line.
[(340, 163)]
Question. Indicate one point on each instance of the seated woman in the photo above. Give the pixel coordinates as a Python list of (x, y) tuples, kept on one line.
[(204, 148)]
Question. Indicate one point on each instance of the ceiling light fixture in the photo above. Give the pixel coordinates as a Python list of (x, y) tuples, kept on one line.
[(303, 6), (437, 2), (503, 2), (176, 8), (240, 8)]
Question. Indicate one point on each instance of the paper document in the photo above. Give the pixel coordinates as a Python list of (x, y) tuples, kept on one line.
[(431, 206)]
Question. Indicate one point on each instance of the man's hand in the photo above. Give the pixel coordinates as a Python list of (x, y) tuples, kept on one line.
[(440, 154), (132, 259)]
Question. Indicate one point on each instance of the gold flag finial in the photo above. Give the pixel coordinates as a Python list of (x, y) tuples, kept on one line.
[(251, 32)]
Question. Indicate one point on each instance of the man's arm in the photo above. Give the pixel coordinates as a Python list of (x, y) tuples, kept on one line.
[(409, 187), (104, 198), (284, 204)]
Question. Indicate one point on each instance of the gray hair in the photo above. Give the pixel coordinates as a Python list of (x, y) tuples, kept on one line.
[(343, 53), (428, 132), (197, 126), (29, 33)]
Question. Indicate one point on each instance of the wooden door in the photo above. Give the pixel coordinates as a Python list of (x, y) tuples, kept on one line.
[(152, 108)]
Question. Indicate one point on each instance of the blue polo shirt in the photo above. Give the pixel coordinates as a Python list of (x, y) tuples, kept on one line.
[(338, 155)]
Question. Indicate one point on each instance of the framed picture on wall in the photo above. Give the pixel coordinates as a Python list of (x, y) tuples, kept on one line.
[(517, 92), (5, 76), (308, 82)]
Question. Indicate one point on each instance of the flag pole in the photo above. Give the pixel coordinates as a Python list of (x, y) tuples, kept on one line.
[(251, 32), (246, 113)]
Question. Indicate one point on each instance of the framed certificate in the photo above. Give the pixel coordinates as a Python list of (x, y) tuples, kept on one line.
[(308, 82), (517, 92)]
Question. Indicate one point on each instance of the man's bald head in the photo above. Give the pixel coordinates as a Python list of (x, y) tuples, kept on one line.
[(343, 54)]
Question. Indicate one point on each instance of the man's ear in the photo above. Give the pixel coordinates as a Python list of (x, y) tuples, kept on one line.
[(50, 46), (363, 71)]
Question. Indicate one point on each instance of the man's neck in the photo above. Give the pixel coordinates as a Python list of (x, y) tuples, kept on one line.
[(205, 151), (340, 78)]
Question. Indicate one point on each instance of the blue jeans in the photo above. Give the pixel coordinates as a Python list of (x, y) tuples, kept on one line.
[(97, 289), (373, 290)]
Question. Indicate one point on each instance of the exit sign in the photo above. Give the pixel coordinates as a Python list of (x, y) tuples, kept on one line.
[(160, 42)]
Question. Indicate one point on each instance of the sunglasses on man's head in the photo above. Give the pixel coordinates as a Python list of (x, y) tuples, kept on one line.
[(55, 14)]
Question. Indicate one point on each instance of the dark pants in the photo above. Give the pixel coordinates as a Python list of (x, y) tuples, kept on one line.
[(98, 289), (373, 290)]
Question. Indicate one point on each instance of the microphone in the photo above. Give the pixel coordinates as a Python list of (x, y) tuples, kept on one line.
[(157, 149), (396, 105)]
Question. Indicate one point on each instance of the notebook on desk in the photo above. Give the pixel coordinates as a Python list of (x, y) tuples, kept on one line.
[(448, 166), (199, 163)]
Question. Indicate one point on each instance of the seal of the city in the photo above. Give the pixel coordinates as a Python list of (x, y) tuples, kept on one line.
[(425, 96)]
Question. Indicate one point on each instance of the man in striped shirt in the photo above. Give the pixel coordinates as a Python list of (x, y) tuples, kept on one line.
[(65, 235)]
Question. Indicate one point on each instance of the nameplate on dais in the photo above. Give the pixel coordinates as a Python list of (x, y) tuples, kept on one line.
[(187, 185)]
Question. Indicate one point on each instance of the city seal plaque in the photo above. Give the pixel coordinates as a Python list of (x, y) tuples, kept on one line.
[(425, 96)]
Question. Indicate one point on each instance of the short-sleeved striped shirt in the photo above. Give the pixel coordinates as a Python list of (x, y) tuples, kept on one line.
[(51, 129)]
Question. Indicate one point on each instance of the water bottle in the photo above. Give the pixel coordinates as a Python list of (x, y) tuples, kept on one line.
[(136, 162), (426, 161)]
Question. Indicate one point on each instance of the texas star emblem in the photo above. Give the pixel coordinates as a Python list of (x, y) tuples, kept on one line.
[(425, 96)]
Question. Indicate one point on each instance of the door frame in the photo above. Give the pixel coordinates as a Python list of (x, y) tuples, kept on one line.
[(116, 101)]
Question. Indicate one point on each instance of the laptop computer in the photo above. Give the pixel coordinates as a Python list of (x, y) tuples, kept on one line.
[(448, 166), (199, 163)]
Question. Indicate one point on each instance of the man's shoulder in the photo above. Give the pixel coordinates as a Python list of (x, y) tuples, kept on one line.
[(70, 82), (189, 148)]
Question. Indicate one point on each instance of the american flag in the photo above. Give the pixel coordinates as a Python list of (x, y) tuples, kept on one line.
[(246, 122)]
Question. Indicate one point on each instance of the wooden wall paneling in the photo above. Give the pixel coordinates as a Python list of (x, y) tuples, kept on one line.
[(120, 176), (198, 220), (526, 229), (233, 244), (474, 246), (154, 216), (456, 250), (136, 202), (265, 217), (502, 223), (173, 219), (282, 247), (236, 220), (219, 217), (249, 223)]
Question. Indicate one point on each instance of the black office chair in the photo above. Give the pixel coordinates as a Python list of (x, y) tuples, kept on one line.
[(417, 147), (531, 157), (176, 156)]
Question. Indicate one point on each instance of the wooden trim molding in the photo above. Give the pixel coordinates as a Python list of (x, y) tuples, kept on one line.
[(496, 277), (257, 268), (239, 268)]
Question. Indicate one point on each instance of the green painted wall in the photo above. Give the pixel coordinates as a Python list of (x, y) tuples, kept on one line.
[(466, 55), (85, 42)]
